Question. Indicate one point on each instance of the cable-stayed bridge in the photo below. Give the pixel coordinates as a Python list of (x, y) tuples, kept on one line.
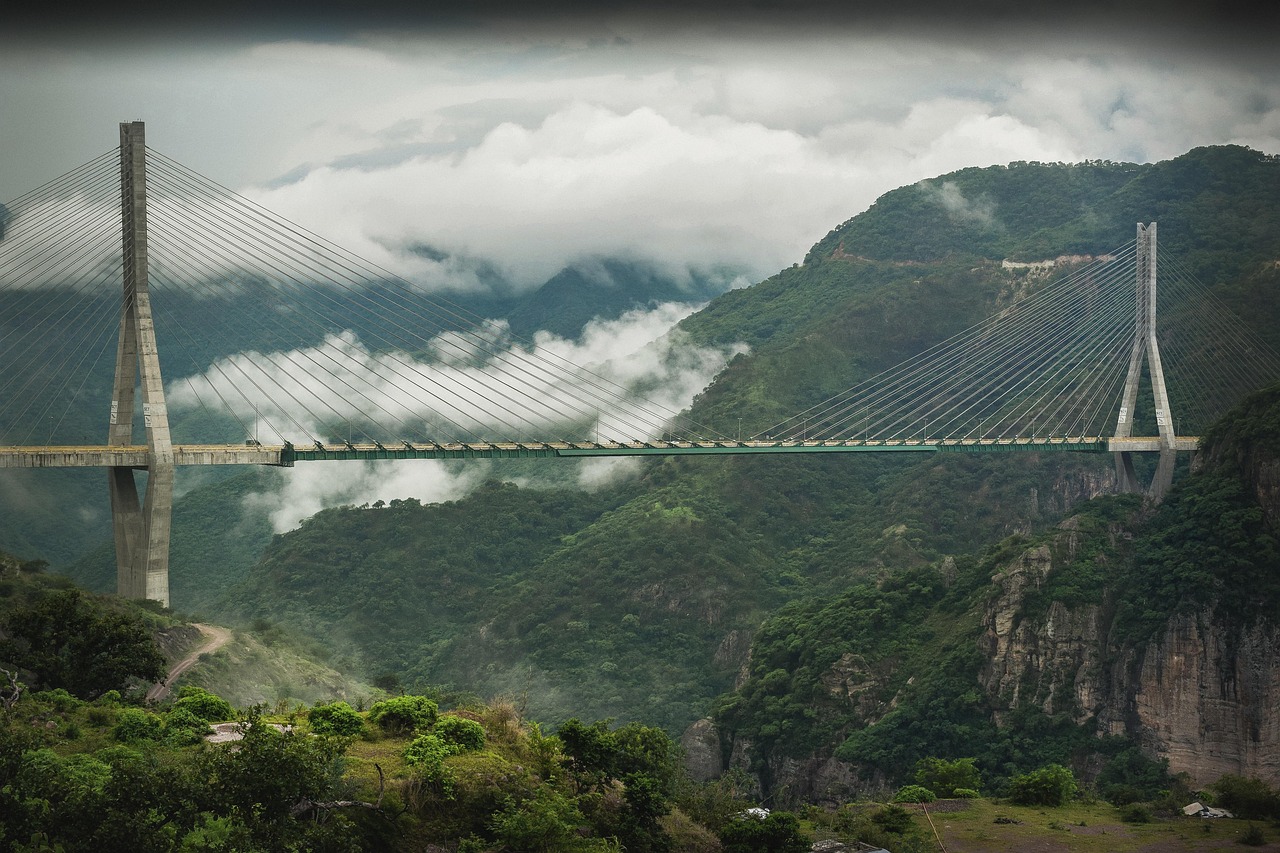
[(291, 349)]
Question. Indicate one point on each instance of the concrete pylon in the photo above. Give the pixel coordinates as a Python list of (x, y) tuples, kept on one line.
[(1145, 344), (141, 528)]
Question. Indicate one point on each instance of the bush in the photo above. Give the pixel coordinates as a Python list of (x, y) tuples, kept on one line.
[(1251, 799), (779, 832), (338, 719), (403, 715), (914, 794), (426, 754), (183, 728), (1135, 813), (894, 819), (135, 725), (209, 707), (1122, 795), (461, 733), (1052, 785), (966, 794), (944, 777)]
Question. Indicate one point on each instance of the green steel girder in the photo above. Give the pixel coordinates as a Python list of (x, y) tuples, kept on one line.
[(290, 454)]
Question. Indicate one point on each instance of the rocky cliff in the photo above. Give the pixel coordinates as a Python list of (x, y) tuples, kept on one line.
[(1162, 626), (1205, 694)]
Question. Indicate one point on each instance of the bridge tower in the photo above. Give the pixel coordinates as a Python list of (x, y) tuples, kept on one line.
[(141, 527), (1144, 344)]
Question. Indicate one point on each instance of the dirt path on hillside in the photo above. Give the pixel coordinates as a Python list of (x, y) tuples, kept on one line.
[(215, 638)]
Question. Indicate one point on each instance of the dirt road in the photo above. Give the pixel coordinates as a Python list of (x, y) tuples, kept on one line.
[(215, 638)]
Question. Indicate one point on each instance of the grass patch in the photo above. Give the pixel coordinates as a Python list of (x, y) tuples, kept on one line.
[(1097, 827)]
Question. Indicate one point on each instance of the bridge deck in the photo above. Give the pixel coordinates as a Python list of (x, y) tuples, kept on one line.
[(135, 456)]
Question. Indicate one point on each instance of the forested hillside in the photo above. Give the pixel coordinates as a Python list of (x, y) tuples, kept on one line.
[(1123, 625), (640, 600)]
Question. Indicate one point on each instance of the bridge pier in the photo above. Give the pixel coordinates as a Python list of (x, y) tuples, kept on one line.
[(1145, 345), (141, 528)]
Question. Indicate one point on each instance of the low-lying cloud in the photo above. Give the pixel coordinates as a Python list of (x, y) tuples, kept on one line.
[(628, 379)]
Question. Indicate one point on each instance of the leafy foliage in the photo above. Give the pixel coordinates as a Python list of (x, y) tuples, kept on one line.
[(914, 794), (404, 714), (203, 704), (67, 640), (1053, 785), (945, 777), (460, 733), (336, 718)]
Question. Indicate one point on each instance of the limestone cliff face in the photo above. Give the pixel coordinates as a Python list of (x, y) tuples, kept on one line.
[(1203, 695)]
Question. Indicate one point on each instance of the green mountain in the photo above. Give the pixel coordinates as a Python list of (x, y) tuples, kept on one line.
[(639, 601), (1120, 625)]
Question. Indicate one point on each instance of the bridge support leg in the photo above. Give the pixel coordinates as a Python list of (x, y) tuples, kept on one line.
[(1126, 477), (1146, 346), (141, 528)]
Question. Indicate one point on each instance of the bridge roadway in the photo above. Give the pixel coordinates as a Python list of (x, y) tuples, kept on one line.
[(135, 456)]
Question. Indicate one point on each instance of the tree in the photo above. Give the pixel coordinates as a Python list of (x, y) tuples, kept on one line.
[(401, 715), (779, 832), (1252, 799), (69, 641), (337, 718), (1052, 785), (944, 777), (209, 707)]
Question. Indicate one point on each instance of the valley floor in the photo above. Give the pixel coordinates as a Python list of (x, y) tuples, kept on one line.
[(1079, 828)]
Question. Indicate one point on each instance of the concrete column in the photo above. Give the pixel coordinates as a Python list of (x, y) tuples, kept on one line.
[(141, 529), (1145, 344)]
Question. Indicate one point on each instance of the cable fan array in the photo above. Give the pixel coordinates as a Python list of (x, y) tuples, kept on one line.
[(1052, 366), (271, 333), (290, 336)]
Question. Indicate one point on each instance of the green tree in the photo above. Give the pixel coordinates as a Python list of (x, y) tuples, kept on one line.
[(205, 705), (402, 715), (336, 718), (944, 777), (1053, 785), (462, 734), (779, 832), (67, 640)]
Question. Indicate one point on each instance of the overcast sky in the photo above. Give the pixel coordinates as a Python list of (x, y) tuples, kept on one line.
[(736, 136)]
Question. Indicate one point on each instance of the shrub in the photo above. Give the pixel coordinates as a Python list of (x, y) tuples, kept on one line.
[(1052, 785), (779, 832), (58, 699), (943, 777), (966, 794), (1251, 799), (135, 725), (426, 754), (894, 819), (183, 728), (1122, 795), (1135, 813), (914, 794), (461, 733), (402, 715), (209, 707), (338, 719)]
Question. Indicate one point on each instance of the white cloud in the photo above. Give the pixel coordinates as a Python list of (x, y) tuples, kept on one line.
[(308, 488), (652, 365), (624, 379)]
